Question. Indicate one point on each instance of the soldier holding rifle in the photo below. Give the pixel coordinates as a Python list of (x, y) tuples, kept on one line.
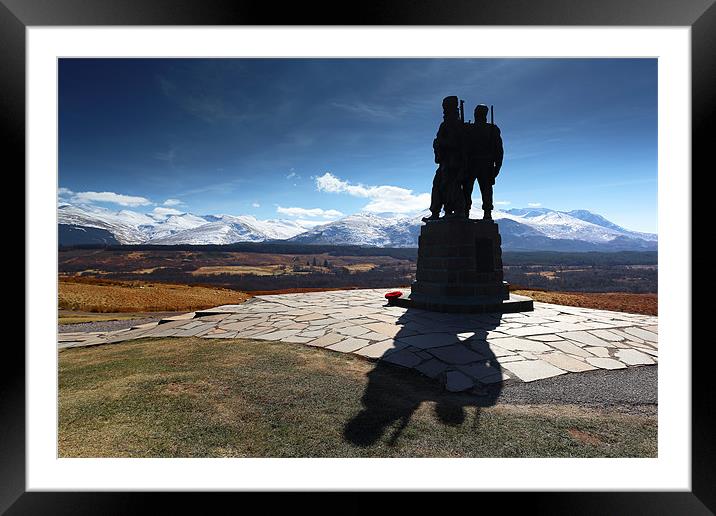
[(449, 148), (465, 152), (484, 159)]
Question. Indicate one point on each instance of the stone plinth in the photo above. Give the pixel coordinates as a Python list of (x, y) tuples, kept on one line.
[(460, 269)]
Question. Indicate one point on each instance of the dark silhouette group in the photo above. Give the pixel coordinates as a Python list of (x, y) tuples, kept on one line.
[(465, 152), (394, 394)]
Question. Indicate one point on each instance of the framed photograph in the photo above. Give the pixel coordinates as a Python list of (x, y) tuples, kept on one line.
[(264, 252)]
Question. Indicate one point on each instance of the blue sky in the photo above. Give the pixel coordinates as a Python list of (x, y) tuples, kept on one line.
[(314, 139)]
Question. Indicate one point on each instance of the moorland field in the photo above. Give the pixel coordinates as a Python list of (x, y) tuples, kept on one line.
[(176, 278)]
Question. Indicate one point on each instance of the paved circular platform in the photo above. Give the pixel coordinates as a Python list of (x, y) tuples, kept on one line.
[(461, 350)]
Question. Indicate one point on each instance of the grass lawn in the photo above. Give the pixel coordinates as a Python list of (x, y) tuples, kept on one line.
[(192, 397)]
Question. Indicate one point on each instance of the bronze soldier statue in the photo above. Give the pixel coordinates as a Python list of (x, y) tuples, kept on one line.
[(449, 147), (484, 159)]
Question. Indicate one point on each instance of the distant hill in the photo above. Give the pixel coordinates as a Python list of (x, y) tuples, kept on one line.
[(78, 235), (522, 229)]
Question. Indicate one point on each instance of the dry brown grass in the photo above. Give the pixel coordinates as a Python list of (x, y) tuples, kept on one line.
[(361, 267), (142, 297), (646, 304), (254, 270)]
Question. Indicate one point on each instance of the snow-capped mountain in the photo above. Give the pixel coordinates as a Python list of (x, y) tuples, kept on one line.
[(520, 228), (272, 229), (365, 229), (561, 224), (165, 228), (130, 227), (523, 229), (123, 225), (227, 229), (212, 233), (588, 216)]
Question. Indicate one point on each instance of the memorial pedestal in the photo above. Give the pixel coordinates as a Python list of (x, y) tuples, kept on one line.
[(459, 270)]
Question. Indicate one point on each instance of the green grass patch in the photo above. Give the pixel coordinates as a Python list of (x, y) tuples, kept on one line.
[(197, 397)]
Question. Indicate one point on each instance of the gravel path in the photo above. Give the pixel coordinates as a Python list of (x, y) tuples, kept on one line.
[(634, 387), (105, 325)]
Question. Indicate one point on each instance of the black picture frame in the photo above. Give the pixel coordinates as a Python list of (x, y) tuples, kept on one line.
[(17, 15)]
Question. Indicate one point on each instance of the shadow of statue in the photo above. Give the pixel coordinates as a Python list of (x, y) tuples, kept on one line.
[(431, 363)]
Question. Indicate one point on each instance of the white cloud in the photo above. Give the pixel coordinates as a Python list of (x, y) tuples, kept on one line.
[(534, 204), (292, 174), (163, 212), (502, 203), (309, 212), (173, 202), (111, 197), (383, 199), (255, 205), (64, 191)]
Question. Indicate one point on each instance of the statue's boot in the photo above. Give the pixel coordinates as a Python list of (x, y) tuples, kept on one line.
[(487, 215), (434, 216)]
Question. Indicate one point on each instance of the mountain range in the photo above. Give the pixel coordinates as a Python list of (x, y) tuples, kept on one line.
[(521, 229)]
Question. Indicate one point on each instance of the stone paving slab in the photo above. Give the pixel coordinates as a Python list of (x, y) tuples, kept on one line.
[(463, 351)]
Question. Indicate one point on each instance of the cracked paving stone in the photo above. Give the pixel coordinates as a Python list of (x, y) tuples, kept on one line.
[(570, 348), (403, 358), (310, 317), (566, 362), (483, 372), (456, 354), (236, 326), (606, 335), (389, 330), (380, 349), (510, 358), (529, 330), (457, 381), (353, 331), (642, 334), (633, 357), (430, 340), (348, 345), (517, 344), (584, 338), (296, 339), (326, 340), (598, 351), (546, 338), (605, 363), (276, 335), (531, 370), (485, 349), (432, 368)]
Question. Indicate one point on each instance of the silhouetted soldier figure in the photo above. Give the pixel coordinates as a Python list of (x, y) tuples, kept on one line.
[(484, 159), (449, 147)]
